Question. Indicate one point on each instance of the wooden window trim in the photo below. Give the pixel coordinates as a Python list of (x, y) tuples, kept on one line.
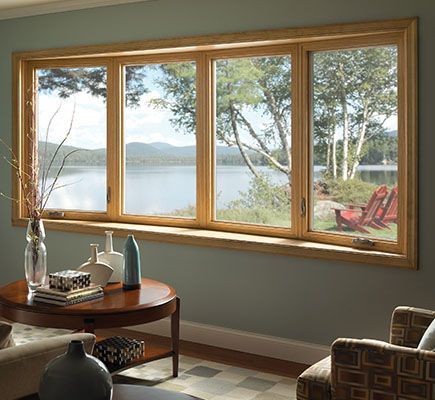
[(298, 240)]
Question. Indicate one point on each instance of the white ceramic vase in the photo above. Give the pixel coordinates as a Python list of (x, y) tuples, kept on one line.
[(100, 271), (112, 258)]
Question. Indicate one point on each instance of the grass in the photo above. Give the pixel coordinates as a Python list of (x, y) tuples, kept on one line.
[(274, 217), (255, 216), (331, 226)]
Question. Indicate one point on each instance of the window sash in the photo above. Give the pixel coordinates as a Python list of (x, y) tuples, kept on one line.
[(400, 33), (121, 63), (347, 239), (242, 227), (30, 97)]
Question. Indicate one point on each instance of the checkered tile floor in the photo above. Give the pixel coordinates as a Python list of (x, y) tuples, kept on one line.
[(204, 379)]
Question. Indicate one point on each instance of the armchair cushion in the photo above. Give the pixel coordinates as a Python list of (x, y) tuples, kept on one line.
[(370, 369), (6, 339), (427, 342), (315, 382), (408, 325), (21, 366)]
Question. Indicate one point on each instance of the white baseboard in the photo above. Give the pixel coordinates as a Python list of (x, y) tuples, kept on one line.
[(269, 346)]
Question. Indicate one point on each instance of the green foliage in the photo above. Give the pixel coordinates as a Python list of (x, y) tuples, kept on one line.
[(244, 86), (68, 81), (140, 154), (351, 191), (188, 212), (260, 84), (263, 193), (263, 203), (380, 149), (255, 216), (179, 86), (355, 88)]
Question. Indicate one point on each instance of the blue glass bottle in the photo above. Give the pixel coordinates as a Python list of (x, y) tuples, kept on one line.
[(132, 273)]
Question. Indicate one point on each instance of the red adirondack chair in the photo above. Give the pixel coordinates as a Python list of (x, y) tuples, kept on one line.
[(356, 219), (388, 213)]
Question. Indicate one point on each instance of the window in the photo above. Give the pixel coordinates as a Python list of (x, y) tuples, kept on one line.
[(160, 140), (354, 138), (297, 141), (71, 121), (253, 140)]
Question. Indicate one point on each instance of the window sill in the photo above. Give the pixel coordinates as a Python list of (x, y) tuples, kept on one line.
[(227, 240)]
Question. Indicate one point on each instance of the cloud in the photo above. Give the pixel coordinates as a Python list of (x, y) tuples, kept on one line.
[(142, 124), (89, 122)]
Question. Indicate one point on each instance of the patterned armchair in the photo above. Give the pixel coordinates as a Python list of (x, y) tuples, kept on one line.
[(375, 370)]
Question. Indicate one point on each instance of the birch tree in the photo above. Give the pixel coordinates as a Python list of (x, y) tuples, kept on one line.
[(355, 93)]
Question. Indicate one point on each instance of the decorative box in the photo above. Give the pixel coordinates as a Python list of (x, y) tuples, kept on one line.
[(117, 351), (69, 280)]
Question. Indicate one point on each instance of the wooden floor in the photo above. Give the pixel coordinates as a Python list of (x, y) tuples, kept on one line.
[(158, 344)]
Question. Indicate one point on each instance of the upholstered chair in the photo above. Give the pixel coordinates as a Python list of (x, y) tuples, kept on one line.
[(374, 370), (21, 366)]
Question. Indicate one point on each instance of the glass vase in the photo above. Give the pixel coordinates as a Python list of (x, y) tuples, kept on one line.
[(35, 255)]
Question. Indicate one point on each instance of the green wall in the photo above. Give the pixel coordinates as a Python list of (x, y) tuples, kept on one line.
[(304, 299)]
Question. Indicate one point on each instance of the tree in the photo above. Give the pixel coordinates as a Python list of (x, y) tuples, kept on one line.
[(243, 86), (355, 92), (68, 81)]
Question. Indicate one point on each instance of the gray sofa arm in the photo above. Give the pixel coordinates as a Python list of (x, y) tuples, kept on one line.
[(370, 368), (21, 367)]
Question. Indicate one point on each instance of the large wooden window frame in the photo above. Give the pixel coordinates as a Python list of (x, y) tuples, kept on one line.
[(204, 229)]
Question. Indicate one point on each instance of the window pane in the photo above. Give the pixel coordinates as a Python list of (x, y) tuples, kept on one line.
[(253, 140), (75, 96), (355, 148), (160, 140)]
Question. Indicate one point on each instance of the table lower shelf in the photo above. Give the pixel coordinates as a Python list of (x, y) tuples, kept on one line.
[(151, 353)]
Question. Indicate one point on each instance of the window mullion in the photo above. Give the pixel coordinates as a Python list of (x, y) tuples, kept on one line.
[(114, 132), (301, 208), (204, 137)]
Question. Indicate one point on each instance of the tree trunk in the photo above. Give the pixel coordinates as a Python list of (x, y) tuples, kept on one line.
[(277, 117), (334, 156), (343, 100), (242, 150), (361, 141), (345, 162)]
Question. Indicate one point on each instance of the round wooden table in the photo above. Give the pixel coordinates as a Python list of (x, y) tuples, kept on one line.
[(118, 308)]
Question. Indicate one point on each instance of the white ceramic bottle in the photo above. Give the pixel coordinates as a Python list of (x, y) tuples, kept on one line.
[(112, 258), (100, 271)]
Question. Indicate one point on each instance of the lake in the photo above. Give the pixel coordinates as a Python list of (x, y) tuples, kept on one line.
[(163, 189)]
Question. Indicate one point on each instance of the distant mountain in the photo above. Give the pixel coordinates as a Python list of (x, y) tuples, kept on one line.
[(138, 153), (161, 145), (138, 149), (177, 151), (190, 151)]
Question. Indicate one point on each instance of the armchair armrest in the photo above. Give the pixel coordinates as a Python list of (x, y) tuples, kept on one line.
[(21, 367), (359, 205), (355, 210), (370, 369), (408, 325)]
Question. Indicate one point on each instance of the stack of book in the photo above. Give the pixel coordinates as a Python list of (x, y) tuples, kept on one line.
[(44, 294)]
